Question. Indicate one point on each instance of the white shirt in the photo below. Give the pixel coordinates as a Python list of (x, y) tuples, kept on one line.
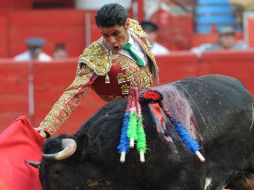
[(27, 57), (158, 49), (135, 47)]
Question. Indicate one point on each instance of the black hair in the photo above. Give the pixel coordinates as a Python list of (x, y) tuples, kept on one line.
[(149, 26), (110, 15)]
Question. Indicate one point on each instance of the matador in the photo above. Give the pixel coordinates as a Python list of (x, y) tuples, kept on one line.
[(117, 61)]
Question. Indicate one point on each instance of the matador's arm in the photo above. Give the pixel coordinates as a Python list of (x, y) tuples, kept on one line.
[(68, 101)]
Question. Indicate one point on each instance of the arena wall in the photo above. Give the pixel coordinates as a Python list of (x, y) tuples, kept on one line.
[(33, 88)]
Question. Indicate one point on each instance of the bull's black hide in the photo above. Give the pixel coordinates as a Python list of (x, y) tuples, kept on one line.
[(219, 106)]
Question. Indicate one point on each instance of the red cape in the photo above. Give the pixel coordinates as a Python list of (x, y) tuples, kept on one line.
[(19, 142)]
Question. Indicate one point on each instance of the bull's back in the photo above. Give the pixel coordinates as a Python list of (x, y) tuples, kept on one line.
[(214, 102), (221, 109), (219, 104)]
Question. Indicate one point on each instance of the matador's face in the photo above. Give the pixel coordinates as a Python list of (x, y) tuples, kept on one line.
[(116, 36)]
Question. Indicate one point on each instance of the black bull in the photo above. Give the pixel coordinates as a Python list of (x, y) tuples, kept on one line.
[(221, 109)]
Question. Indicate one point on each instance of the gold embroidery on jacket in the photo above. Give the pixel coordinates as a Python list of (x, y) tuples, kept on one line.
[(120, 78), (96, 57), (125, 89), (136, 28), (129, 75), (140, 77), (67, 102)]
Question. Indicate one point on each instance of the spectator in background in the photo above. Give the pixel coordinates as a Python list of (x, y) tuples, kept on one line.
[(34, 51), (59, 51), (152, 31), (226, 41)]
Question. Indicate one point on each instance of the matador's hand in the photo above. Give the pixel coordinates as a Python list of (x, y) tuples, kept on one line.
[(41, 132)]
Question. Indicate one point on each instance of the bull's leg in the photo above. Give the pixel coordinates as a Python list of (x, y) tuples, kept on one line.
[(216, 183), (215, 186), (227, 157)]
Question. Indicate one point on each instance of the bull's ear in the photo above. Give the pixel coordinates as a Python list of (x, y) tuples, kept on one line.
[(32, 163)]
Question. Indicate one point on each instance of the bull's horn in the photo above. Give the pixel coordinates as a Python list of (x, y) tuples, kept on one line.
[(69, 147), (32, 163)]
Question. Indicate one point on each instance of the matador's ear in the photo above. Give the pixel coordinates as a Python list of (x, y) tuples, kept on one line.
[(127, 24)]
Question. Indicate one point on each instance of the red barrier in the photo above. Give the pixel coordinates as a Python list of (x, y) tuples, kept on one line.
[(239, 64), (13, 92), (198, 39), (50, 80), (3, 35), (16, 5), (176, 66), (64, 26)]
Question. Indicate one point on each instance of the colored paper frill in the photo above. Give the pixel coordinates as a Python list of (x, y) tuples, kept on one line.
[(124, 141)]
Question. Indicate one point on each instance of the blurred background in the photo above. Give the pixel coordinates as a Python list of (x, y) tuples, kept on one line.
[(201, 37)]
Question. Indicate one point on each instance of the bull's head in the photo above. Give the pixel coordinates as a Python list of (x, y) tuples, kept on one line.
[(63, 167), (90, 167)]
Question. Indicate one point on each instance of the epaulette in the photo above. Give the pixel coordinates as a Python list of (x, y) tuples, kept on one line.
[(146, 46), (95, 57), (136, 28)]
